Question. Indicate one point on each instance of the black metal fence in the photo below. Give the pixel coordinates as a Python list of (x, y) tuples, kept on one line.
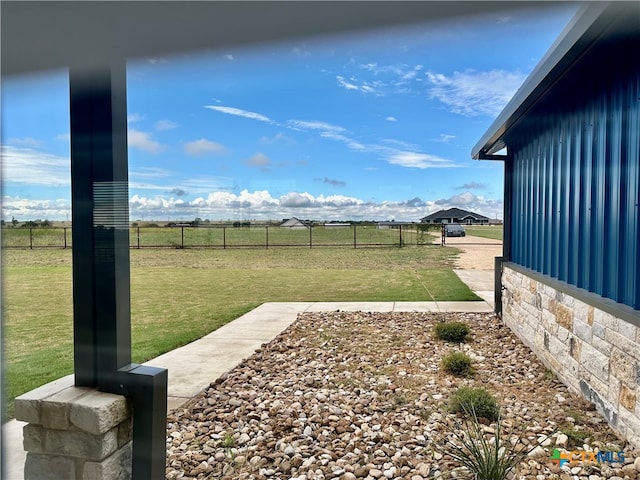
[(222, 237)]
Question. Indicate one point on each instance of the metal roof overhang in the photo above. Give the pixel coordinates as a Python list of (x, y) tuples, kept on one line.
[(42, 35), (589, 24)]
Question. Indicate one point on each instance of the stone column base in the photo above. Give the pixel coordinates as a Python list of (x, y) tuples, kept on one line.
[(75, 433)]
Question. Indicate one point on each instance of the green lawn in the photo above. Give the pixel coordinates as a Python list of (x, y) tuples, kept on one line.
[(179, 295), (489, 231)]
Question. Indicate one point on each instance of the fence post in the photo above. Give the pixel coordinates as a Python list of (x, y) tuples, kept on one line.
[(224, 238), (182, 237), (400, 235), (355, 245), (30, 238), (65, 238), (266, 228), (310, 236), (138, 233)]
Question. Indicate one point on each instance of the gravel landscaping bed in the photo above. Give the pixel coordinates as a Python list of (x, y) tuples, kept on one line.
[(346, 395)]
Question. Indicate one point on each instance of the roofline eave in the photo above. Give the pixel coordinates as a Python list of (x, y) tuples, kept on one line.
[(583, 28)]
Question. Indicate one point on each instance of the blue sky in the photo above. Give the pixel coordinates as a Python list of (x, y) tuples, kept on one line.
[(373, 126)]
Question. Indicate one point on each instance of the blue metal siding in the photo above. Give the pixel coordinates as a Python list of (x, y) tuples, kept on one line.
[(576, 189)]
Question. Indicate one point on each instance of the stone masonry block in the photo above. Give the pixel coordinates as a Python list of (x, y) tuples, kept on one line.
[(564, 316), (593, 394), (81, 444), (125, 432), (601, 345), (623, 343), (628, 397), (598, 330), (575, 348), (625, 367), (49, 467), (27, 406), (582, 330), (605, 319), (627, 329), (632, 422), (54, 410), (33, 438), (594, 362), (581, 311), (114, 467), (98, 412)]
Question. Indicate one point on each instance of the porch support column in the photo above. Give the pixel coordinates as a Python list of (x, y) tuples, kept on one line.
[(101, 277)]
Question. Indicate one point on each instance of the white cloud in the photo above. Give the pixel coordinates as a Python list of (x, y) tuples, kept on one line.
[(240, 113), (143, 141), (33, 167), (391, 119), (259, 205), (364, 87), (30, 209), (164, 125), (25, 142), (418, 160), (229, 57), (134, 117), (444, 138), (202, 147), (472, 93), (65, 137), (314, 125)]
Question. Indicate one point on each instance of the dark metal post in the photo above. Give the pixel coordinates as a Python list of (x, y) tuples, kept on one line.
[(224, 237), (310, 236), (65, 238), (30, 238), (267, 233), (138, 234), (182, 237), (400, 235), (101, 277), (355, 245), (497, 284)]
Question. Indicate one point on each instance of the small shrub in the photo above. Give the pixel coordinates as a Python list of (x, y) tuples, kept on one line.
[(487, 459), (455, 332), (476, 400), (458, 363)]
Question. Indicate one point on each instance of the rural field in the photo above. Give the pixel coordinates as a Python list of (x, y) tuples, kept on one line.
[(179, 295)]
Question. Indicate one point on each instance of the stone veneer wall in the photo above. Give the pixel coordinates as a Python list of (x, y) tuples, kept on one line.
[(593, 352), (75, 433)]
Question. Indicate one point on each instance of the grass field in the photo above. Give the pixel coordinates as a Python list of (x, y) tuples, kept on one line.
[(179, 295), (489, 231)]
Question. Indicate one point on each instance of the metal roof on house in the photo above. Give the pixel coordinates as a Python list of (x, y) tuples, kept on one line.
[(589, 24), (454, 213)]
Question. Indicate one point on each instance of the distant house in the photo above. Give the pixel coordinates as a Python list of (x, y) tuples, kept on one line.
[(292, 222), (456, 215)]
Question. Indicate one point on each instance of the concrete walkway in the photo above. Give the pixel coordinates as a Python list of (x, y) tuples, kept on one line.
[(194, 366)]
